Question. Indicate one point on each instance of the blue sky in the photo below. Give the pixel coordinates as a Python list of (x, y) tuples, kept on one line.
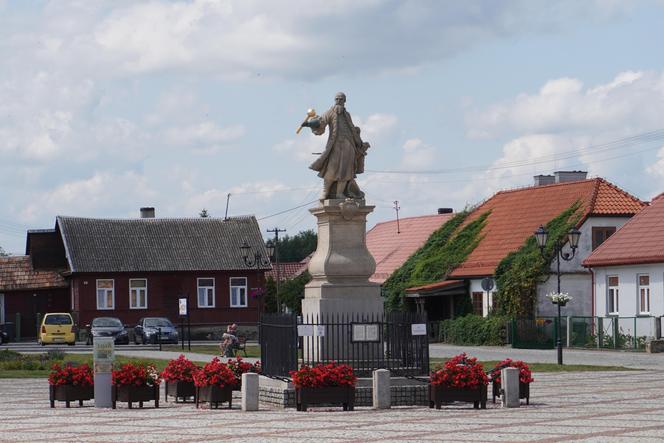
[(109, 106)]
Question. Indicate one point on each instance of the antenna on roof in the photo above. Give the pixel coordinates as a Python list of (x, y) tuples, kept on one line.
[(396, 208)]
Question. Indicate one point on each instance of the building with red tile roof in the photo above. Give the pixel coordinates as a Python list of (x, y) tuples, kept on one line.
[(628, 269), (288, 270), (515, 214), (391, 245)]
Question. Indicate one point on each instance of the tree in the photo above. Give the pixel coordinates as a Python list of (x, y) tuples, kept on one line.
[(291, 293), (297, 247), (3, 253), (204, 213)]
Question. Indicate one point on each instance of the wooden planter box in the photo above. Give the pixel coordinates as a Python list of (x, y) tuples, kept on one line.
[(180, 390), (334, 395), (69, 393), (524, 391), (441, 394), (140, 394), (214, 395)]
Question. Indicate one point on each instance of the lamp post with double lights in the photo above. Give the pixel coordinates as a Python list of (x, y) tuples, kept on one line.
[(256, 260), (541, 235)]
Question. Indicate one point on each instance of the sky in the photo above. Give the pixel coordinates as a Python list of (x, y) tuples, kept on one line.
[(108, 106)]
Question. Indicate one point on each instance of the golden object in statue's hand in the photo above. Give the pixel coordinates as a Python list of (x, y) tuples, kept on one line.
[(311, 112)]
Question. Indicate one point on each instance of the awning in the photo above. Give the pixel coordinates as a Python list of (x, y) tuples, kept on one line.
[(441, 288)]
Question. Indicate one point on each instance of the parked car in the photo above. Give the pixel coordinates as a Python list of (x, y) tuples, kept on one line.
[(4, 338), (108, 327), (147, 329), (57, 327)]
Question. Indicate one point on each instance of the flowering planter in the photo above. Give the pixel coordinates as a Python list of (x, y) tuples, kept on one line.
[(180, 390), (524, 391), (332, 395), (439, 394), (131, 394), (214, 395), (69, 393)]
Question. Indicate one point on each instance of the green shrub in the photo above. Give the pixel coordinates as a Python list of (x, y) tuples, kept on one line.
[(475, 330), (55, 354), (8, 355)]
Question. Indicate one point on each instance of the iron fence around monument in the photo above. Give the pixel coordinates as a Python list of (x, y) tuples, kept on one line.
[(397, 341)]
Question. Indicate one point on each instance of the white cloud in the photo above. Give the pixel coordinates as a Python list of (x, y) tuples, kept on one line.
[(418, 155)]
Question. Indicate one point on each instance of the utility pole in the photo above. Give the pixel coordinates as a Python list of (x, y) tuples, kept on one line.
[(396, 208), (228, 198), (276, 259)]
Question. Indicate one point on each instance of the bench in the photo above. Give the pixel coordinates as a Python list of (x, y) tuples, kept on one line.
[(242, 344)]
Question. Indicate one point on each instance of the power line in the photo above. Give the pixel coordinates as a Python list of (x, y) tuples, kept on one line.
[(287, 210)]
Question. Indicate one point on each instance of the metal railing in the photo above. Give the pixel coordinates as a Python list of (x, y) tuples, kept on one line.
[(364, 342)]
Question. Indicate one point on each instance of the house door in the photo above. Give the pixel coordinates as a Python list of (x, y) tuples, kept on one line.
[(2, 309)]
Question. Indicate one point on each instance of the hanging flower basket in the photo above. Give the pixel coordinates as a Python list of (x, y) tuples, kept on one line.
[(70, 383), (135, 383), (559, 298), (525, 378), (214, 384), (178, 376), (461, 379), (329, 384)]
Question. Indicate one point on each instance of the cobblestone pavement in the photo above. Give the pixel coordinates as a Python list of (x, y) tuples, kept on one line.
[(628, 359), (590, 406)]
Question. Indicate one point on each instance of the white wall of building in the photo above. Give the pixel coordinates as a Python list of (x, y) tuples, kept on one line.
[(487, 297), (628, 295)]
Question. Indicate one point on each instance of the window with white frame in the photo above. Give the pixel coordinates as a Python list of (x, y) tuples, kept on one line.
[(613, 294), (238, 292), (138, 293), (105, 294), (206, 292), (644, 294)]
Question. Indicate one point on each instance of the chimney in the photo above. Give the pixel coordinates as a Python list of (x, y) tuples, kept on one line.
[(147, 212), (541, 180), (445, 210), (570, 176)]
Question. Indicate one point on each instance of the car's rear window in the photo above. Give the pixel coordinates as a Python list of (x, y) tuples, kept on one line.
[(57, 319), (106, 322), (158, 323)]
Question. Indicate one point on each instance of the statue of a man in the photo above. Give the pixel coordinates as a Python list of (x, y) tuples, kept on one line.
[(344, 153)]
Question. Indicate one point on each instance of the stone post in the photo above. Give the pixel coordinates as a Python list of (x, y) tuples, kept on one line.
[(509, 383), (569, 331), (382, 394), (249, 391)]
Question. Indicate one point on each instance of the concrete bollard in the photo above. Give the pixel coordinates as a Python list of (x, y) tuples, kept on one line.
[(249, 391), (509, 384), (382, 395)]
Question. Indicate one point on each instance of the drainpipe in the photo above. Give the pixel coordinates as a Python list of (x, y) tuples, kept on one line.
[(592, 300)]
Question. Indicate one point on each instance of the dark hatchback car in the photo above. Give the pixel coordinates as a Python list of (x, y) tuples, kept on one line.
[(108, 327), (148, 328)]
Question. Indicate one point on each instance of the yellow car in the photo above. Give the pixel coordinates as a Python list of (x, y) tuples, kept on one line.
[(57, 328)]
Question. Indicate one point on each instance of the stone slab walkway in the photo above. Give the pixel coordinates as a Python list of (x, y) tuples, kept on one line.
[(594, 407)]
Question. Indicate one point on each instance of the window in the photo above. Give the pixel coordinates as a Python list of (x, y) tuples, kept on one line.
[(105, 294), (206, 293), (478, 303), (238, 292), (644, 294), (613, 294), (138, 293), (601, 233)]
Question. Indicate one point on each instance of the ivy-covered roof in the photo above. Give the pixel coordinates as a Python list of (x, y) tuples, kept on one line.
[(516, 214)]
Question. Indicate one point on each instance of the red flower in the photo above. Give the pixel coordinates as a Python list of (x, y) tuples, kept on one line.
[(179, 369), (330, 374), (239, 367), (460, 371), (214, 373), (71, 375), (136, 375), (525, 376)]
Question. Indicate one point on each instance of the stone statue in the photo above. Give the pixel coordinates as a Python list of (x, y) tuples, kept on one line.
[(344, 153)]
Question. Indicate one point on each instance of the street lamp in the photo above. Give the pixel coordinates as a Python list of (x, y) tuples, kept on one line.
[(256, 261), (573, 235)]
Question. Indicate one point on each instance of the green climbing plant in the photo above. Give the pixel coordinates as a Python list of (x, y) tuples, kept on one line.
[(518, 274), (445, 249)]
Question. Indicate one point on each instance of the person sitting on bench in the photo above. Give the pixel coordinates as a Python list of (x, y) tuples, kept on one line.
[(229, 341)]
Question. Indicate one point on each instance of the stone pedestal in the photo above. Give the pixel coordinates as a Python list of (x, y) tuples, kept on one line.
[(509, 382), (340, 269)]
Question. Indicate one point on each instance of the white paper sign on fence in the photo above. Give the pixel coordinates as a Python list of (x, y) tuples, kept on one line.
[(320, 331), (305, 330), (418, 329), (359, 332)]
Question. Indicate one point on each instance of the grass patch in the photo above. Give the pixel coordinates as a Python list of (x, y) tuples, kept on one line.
[(546, 367), (252, 351), (39, 365)]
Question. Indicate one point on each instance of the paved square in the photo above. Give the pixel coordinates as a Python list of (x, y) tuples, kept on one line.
[(588, 406)]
